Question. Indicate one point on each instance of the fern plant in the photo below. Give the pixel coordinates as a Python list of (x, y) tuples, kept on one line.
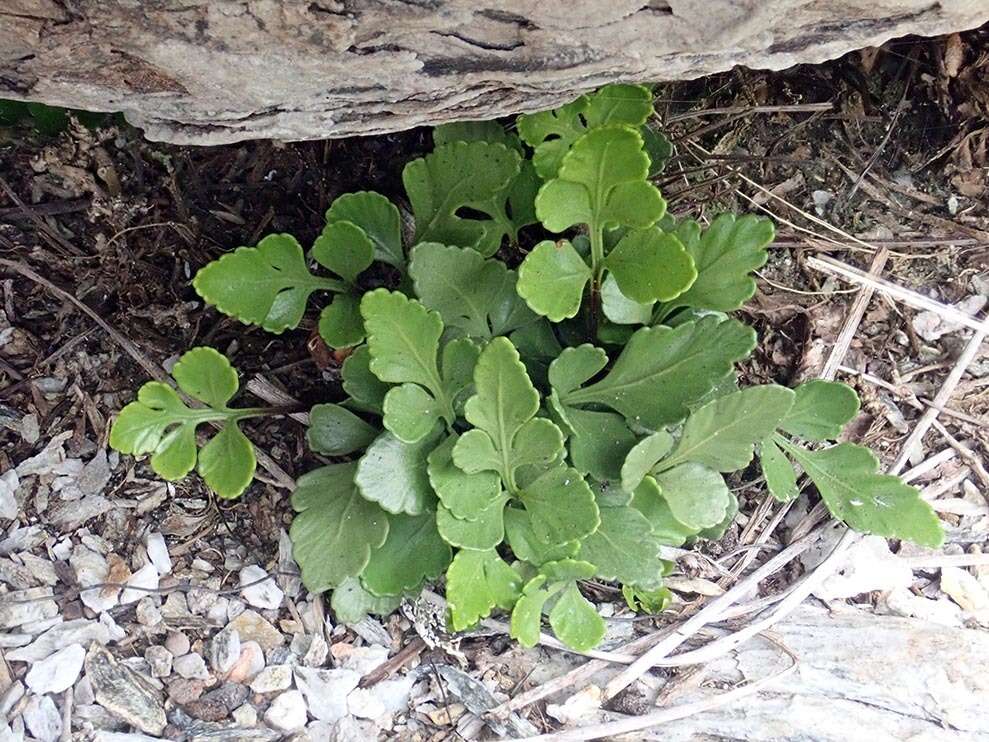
[(516, 431)]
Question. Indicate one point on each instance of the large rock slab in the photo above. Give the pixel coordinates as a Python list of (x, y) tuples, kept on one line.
[(214, 71)]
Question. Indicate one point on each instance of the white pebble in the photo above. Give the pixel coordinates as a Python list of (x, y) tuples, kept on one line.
[(260, 592), (146, 577), (158, 553), (57, 672), (287, 713), (191, 666)]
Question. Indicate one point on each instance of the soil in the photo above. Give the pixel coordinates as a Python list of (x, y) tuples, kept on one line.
[(884, 148)]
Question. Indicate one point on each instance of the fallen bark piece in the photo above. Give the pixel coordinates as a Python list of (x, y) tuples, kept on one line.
[(216, 71), (861, 676)]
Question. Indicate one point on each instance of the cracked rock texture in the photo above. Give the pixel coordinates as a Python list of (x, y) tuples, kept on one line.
[(215, 71)]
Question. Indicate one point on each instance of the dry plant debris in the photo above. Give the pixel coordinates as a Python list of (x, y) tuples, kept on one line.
[(133, 607)]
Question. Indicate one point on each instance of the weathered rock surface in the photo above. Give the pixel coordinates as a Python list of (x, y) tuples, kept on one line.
[(214, 71)]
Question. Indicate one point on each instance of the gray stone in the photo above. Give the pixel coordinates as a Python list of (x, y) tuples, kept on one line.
[(326, 690), (32, 609), (224, 650), (201, 599), (8, 503), (41, 625), (183, 690), (315, 655), (147, 613), (78, 631), (83, 692), (191, 666), (360, 659), (252, 626), (71, 515), (349, 729), (176, 606), (258, 591), (42, 570), (287, 713), (365, 704), (97, 717), (42, 718), (22, 539), (394, 693), (95, 474), (272, 679), (159, 661), (246, 715), (177, 643), (121, 691), (10, 697), (219, 703), (56, 672)]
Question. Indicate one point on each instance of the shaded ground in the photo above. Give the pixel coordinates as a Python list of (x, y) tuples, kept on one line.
[(883, 148)]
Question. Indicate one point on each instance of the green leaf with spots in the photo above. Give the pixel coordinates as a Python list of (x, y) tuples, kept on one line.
[(412, 553), (599, 443), (649, 500), (659, 149), (552, 133), (514, 206), (662, 370), (161, 424), (820, 410), (410, 413), (552, 279), (477, 582), (335, 529), (528, 612), (642, 457), (268, 285), (848, 478), (345, 249), (576, 366), (647, 601), (227, 462), (621, 310), (697, 496), (561, 506), (527, 546)]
